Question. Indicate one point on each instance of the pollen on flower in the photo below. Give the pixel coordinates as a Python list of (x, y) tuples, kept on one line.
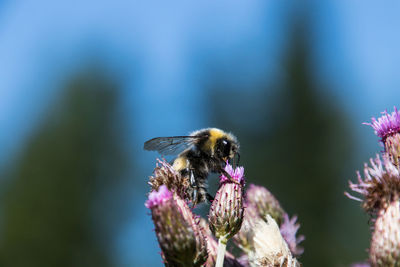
[(158, 197), (237, 174), (386, 125)]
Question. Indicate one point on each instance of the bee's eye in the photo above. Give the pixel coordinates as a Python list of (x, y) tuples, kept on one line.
[(225, 147)]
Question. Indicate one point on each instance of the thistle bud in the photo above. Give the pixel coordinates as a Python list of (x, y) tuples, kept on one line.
[(199, 231), (385, 243), (226, 212), (164, 174), (181, 240), (265, 202)]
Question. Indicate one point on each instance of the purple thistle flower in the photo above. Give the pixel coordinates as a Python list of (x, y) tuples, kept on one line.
[(386, 125), (226, 212), (264, 202), (380, 186), (158, 197), (181, 239), (288, 230), (237, 174)]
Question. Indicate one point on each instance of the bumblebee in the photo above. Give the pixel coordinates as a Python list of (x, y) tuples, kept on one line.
[(203, 151)]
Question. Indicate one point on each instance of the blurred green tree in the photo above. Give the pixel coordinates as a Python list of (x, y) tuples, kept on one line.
[(296, 141), (59, 206)]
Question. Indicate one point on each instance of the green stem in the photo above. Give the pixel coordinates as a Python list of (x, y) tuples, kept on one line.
[(221, 251)]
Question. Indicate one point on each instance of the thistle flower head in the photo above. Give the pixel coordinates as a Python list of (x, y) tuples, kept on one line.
[(226, 212), (386, 125), (379, 187), (158, 197), (385, 242), (270, 249), (181, 240), (164, 174), (289, 229), (237, 174), (262, 241), (265, 202), (199, 230)]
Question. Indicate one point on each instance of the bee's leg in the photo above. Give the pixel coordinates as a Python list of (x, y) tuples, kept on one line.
[(192, 179), (227, 175), (194, 186), (194, 197), (209, 197)]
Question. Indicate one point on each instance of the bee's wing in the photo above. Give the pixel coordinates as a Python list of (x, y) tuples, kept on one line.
[(169, 145)]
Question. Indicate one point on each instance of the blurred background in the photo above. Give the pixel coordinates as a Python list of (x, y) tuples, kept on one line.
[(84, 84)]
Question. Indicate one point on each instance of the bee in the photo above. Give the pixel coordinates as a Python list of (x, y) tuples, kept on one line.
[(202, 152)]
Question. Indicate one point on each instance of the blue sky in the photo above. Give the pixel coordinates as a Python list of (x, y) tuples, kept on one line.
[(166, 50)]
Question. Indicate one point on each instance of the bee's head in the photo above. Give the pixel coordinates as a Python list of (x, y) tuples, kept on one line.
[(226, 149)]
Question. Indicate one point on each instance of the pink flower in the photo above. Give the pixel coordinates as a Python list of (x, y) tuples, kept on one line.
[(158, 197), (237, 174), (226, 211), (181, 240), (386, 125)]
